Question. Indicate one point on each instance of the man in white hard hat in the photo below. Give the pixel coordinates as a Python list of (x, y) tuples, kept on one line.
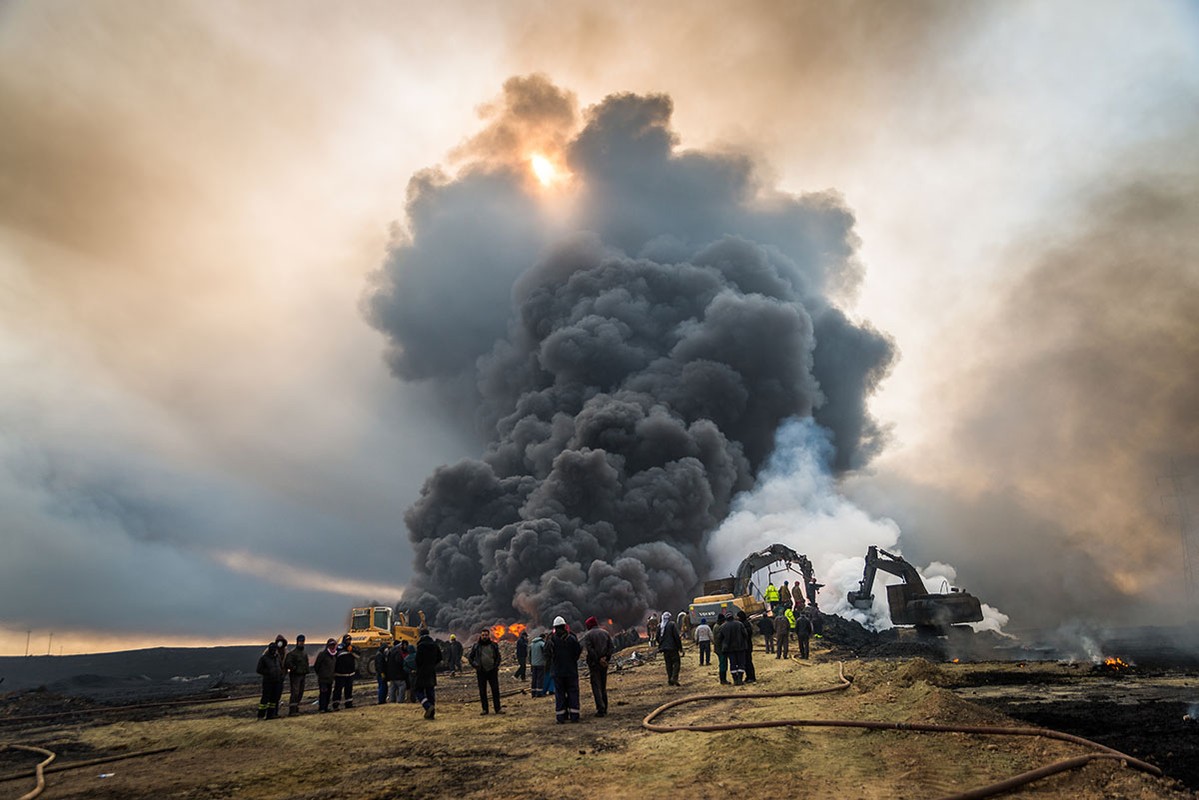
[(562, 651)]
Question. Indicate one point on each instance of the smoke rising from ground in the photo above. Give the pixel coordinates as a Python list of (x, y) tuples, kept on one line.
[(628, 363), (796, 502), (1078, 408)]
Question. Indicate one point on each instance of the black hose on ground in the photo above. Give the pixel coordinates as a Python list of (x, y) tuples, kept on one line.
[(990, 790)]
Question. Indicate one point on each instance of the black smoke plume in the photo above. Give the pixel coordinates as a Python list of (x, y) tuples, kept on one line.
[(627, 376)]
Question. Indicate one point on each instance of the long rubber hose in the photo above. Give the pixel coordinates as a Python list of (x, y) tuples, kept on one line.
[(91, 762), (38, 771), (999, 787)]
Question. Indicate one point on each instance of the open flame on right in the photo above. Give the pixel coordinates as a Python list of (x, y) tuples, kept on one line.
[(1113, 665)]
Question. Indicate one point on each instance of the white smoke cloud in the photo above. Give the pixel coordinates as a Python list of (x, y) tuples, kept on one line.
[(796, 503)]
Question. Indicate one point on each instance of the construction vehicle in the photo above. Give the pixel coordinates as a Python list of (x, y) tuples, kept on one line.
[(911, 602), (372, 627), (737, 592)]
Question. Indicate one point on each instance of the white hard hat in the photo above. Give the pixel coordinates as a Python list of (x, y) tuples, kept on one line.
[(559, 621)]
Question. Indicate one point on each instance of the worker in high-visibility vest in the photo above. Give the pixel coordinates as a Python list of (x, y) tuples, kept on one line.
[(772, 595)]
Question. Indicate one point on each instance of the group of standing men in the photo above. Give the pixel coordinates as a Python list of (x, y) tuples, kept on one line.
[(554, 659), (731, 636), (275, 665), (402, 672), (407, 673)]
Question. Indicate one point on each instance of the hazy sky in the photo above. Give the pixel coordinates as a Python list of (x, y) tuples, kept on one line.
[(199, 438)]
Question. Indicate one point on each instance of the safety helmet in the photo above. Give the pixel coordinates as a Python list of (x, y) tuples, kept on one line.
[(559, 621)]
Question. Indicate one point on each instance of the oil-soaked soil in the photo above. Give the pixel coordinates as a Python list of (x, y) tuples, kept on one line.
[(1135, 711)]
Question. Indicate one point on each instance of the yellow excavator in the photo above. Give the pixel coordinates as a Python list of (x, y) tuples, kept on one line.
[(372, 627), (738, 593)]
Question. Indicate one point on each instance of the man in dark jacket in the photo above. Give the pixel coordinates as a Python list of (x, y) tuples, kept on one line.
[(397, 673), (803, 632), (751, 675), (428, 656), (295, 665), (381, 673), (766, 628), (522, 654), (455, 654), (562, 651), (345, 668), (597, 644), (281, 654), (325, 666), (782, 635), (670, 645), (272, 682), (484, 656), (722, 658), (733, 641)]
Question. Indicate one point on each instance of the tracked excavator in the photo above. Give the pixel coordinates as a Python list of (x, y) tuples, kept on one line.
[(910, 602), (725, 595)]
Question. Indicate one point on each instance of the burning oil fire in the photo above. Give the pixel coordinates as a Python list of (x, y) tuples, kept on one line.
[(498, 631), (1115, 663)]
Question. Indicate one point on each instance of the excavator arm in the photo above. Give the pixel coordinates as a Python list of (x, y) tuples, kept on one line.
[(910, 602), (764, 558), (879, 559)]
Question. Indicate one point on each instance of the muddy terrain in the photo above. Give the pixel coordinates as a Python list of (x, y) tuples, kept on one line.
[(218, 748)]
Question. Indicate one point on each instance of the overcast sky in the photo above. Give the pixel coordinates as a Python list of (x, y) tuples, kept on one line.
[(200, 440)]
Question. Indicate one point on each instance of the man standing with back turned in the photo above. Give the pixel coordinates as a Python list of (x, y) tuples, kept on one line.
[(597, 644)]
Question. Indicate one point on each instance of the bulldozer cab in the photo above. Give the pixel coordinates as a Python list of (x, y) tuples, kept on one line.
[(370, 627)]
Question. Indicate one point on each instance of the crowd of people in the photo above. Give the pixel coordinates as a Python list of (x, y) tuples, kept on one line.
[(407, 673)]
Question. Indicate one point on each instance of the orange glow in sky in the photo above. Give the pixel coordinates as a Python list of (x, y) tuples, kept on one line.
[(544, 169)]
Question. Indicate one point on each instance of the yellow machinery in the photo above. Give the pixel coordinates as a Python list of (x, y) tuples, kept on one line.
[(737, 592), (372, 627)]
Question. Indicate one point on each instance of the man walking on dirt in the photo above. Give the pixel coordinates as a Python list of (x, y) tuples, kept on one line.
[(703, 638), (562, 651), (428, 656), (324, 667), (522, 654), (295, 664), (597, 644), (485, 658), (670, 645), (651, 629)]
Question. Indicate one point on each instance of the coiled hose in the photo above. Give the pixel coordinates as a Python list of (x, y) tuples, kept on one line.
[(1006, 785)]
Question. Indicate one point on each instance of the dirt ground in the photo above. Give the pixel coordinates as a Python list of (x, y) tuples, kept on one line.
[(391, 751)]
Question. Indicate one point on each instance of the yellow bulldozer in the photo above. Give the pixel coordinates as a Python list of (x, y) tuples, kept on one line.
[(372, 627)]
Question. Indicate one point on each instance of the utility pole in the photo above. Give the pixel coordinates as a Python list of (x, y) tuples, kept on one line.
[(49, 642), (1190, 538), (27, 635)]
